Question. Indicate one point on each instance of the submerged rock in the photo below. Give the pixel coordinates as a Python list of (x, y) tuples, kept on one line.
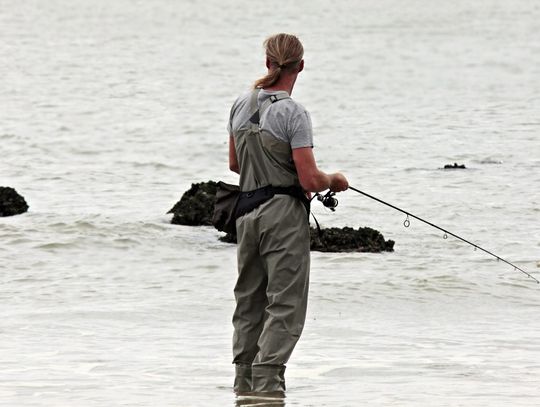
[(11, 203), (490, 161), (196, 206), (455, 166)]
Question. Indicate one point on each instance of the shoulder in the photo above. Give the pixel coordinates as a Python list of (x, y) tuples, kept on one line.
[(287, 105), (294, 106), (241, 100), (297, 113)]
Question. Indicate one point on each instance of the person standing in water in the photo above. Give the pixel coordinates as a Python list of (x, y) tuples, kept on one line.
[(270, 147)]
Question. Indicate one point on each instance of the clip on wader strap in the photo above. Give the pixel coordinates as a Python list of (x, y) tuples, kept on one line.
[(255, 118)]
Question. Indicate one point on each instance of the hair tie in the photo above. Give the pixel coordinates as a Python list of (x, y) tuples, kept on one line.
[(281, 66)]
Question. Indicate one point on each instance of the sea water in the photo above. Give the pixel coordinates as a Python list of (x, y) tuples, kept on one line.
[(109, 110)]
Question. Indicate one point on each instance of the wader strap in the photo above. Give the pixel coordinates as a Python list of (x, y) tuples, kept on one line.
[(250, 200), (254, 104), (272, 99), (295, 192), (319, 231), (253, 100)]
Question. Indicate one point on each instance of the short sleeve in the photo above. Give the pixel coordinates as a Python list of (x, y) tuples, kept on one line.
[(300, 130), (234, 108), (229, 123)]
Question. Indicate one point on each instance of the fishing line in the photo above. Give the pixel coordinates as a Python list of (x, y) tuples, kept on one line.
[(407, 223)]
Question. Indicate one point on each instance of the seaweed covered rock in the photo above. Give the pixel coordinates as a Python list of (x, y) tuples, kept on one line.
[(11, 203), (196, 206), (455, 166), (350, 240), (342, 240)]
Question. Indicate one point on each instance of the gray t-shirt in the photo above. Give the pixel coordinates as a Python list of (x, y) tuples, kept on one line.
[(285, 119)]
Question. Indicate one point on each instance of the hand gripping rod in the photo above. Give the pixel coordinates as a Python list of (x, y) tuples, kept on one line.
[(407, 223)]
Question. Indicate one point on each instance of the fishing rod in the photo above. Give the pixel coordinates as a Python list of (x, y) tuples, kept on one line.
[(329, 201)]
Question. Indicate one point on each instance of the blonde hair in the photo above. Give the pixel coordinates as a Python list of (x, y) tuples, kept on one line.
[(284, 51)]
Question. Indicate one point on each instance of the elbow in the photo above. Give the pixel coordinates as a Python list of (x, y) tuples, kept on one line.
[(234, 167)]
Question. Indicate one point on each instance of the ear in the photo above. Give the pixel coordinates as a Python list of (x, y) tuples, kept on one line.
[(268, 63), (301, 66)]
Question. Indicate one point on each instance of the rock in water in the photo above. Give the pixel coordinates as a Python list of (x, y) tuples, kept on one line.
[(455, 166), (350, 240), (11, 203), (196, 206), (342, 240)]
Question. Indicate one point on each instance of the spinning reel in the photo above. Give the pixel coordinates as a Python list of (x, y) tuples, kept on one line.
[(328, 200)]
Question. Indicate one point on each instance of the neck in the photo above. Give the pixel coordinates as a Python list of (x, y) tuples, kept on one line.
[(285, 82)]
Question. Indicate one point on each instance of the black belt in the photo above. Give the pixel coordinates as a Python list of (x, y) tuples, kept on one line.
[(250, 200)]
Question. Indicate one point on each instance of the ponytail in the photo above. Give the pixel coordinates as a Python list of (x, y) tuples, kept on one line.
[(269, 79), (284, 52)]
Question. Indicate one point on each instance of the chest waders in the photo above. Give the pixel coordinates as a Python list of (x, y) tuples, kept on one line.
[(273, 259)]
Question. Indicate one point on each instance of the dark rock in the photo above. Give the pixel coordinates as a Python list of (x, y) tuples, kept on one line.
[(350, 240), (342, 240), (11, 203), (196, 206), (455, 166), (228, 238)]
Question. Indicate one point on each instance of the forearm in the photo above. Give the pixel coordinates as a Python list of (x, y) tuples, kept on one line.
[(311, 178), (318, 181), (321, 181)]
